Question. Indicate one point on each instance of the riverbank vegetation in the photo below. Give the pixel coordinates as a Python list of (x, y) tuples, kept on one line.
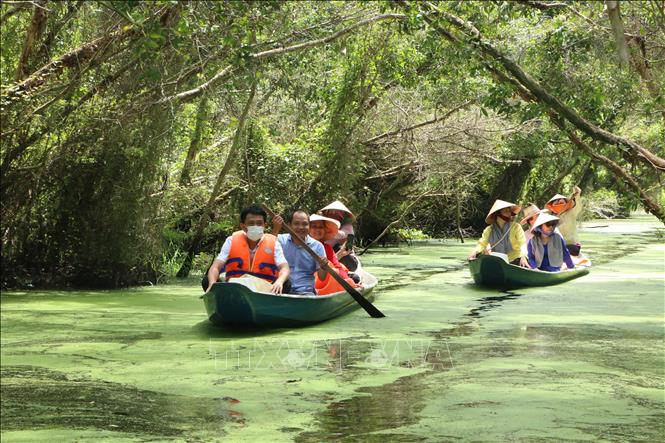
[(134, 132)]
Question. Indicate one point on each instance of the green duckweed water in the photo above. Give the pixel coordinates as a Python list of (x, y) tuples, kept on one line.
[(582, 361)]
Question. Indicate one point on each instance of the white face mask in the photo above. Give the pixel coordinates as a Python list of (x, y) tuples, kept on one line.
[(254, 233)]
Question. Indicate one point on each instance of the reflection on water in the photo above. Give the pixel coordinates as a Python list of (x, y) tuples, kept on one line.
[(491, 302), (374, 409)]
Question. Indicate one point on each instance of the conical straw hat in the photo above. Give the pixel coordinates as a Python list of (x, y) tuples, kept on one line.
[(543, 218), (530, 211), (499, 205), (338, 205), (332, 225), (557, 197)]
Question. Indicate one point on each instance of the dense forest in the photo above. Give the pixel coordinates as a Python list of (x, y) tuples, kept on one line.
[(133, 132)]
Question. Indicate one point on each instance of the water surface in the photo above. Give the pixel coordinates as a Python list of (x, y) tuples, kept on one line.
[(582, 361)]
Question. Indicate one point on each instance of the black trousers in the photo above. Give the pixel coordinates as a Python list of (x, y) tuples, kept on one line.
[(574, 249)]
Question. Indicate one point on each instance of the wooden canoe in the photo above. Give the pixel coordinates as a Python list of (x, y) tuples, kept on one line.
[(236, 305), (492, 271)]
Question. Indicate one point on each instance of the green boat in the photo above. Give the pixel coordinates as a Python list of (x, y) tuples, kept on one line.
[(493, 271), (236, 305)]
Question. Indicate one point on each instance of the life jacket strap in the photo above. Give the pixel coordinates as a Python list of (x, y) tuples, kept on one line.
[(234, 260), (274, 268)]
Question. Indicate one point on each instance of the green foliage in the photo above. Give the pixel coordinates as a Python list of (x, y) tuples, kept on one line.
[(603, 203), (412, 234), (108, 165)]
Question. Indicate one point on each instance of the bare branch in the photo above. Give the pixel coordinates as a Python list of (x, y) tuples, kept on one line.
[(22, 6), (542, 5), (225, 72), (328, 39), (395, 222), (418, 125)]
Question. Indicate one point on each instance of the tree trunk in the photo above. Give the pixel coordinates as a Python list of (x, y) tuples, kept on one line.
[(45, 48), (618, 31), (649, 203), (512, 181), (33, 34), (474, 39), (195, 144), (641, 64), (458, 218), (228, 164), (556, 183)]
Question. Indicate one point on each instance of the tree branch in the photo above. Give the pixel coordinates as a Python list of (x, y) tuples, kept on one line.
[(74, 58), (543, 96), (228, 164), (33, 34), (225, 72), (394, 222), (418, 125), (650, 204), (542, 5), (23, 6)]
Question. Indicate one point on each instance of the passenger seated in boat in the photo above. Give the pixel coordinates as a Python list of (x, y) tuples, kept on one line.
[(302, 265), (547, 249), (530, 215), (324, 229), (342, 243), (251, 252), (567, 209), (503, 234)]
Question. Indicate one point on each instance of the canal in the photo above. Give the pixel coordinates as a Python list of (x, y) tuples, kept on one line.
[(581, 361)]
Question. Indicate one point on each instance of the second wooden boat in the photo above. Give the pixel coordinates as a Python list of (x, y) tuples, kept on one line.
[(493, 271)]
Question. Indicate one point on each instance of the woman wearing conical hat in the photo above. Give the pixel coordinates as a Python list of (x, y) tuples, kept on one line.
[(343, 241), (567, 209), (530, 215), (547, 249), (324, 229), (503, 234)]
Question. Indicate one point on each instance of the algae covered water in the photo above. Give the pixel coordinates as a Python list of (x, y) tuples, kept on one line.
[(581, 361)]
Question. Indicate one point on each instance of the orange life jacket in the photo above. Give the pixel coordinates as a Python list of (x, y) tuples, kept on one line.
[(263, 265), (329, 285), (560, 208)]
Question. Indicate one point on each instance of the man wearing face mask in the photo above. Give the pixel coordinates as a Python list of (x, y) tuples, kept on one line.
[(251, 252)]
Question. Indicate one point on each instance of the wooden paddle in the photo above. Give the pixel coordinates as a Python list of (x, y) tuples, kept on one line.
[(357, 296)]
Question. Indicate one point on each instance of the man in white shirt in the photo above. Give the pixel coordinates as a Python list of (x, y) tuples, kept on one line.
[(251, 252)]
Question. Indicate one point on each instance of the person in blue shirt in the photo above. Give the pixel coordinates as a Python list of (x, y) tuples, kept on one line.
[(547, 249), (302, 265)]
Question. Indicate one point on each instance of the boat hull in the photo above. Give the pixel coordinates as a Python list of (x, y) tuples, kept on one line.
[(235, 305), (491, 271)]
